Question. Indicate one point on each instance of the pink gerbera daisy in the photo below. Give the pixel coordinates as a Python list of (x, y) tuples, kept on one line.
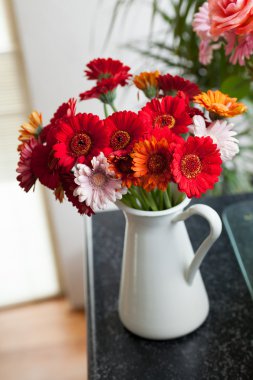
[(221, 133), (240, 47), (202, 26), (97, 185), (206, 49), (201, 22), (68, 186)]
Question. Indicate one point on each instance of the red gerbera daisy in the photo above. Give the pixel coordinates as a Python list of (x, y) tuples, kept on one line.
[(124, 129), (47, 135), (66, 109), (69, 185), (195, 111), (192, 111), (27, 177), (109, 74), (80, 138), (45, 166), (104, 90), (170, 112), (172, 138), (102, 68), (170, 84), (196, 165)]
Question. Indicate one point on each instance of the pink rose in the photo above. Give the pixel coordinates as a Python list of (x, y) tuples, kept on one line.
[(227, 15)]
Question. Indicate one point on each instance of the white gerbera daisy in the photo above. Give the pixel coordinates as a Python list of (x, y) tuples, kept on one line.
[(97, 186), (221, 133)]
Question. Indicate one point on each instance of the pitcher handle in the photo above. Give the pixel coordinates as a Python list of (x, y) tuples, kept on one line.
[(215, 230)]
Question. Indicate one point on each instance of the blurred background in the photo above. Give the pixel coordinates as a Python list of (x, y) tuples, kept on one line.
[(44, 47)]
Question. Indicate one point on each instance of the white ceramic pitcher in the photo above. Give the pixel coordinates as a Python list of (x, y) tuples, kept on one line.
[(162, 295)]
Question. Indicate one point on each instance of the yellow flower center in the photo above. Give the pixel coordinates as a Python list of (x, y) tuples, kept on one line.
[(120, 139), (80, 144), (191, 166), (156, 163), (162, 121)]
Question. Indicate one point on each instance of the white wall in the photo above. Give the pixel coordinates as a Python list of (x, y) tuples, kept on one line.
[(58, 37)]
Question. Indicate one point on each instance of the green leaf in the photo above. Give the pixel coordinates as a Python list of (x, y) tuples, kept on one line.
[(236, 86), (164, 15)]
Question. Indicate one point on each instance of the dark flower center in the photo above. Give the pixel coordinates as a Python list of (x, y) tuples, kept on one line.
[(191, 166), (124, 165), (162, 121), (98, 179), (80, 144), (120, 140), (157, 163)]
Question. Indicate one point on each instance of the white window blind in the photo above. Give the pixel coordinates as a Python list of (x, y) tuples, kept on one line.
[(27, 264)]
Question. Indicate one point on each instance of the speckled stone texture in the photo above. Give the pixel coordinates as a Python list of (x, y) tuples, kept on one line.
[(222, 348)]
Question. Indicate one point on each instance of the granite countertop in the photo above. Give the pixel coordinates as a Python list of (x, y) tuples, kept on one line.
[(222, 348)]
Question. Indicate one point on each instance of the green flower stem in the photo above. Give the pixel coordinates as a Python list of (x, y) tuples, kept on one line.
[(135, 203), (132, 198), (167, 201), (149, 199), (153, 195), (105, 110), (170, 195), (113, 107), (126, 201), (160, 200), (131, 201), (179, 199), (136, 193), (143, 199), (38, 130)]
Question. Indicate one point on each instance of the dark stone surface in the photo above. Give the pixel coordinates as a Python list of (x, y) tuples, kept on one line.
[(222, 348)]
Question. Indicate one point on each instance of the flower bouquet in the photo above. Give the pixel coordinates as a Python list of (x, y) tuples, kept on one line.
[(179, 138)]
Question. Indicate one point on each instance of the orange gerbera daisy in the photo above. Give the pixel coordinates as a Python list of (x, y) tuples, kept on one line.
[(148, 83), (31, 128), (151, 163), (219, 103)]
